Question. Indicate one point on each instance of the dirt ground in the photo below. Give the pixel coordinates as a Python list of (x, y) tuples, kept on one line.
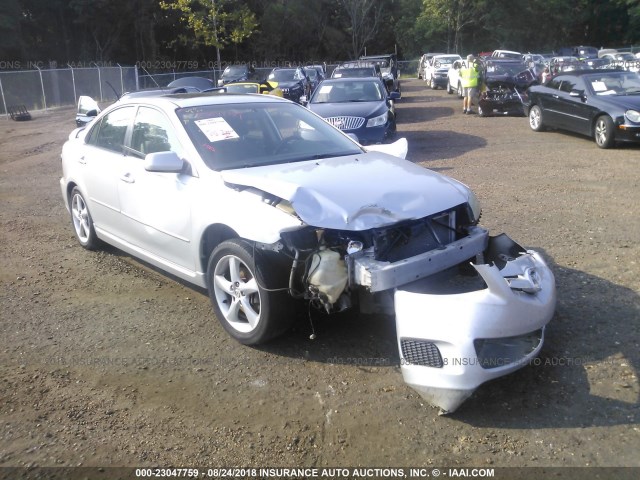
[(106, 362)]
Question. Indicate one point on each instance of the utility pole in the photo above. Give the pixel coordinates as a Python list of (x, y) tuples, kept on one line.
[(215, 35)]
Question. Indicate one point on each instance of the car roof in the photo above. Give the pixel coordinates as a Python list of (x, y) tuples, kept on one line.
[(186, 100), (589, 71), (356, 64), (351, 80), (502, 61)]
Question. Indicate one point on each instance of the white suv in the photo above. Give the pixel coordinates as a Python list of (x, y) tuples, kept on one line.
[(436, 71)]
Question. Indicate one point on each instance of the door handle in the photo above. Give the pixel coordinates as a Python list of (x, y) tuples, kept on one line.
[(127, 178), (82, 161), (555, 96)]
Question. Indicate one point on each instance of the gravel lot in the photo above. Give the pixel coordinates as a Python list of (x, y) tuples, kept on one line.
[(105, 361)]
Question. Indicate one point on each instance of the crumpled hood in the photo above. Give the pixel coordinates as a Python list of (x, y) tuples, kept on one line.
[(522, 80), (356, 192)]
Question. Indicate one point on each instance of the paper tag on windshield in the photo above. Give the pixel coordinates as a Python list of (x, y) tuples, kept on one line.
[(598, 86), (216, 129), (325, 88)]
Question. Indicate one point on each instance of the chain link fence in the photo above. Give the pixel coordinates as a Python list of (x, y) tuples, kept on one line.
[(43, 89), (407, 69)]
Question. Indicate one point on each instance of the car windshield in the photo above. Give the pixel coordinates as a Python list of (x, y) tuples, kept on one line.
[(244, 135), (625, 56), (286, 75), (614, 83), (445, 60), (312, 73), (383, 63), (353, 72), (505, 68), (234, 71), (242, 88), (348, 91)]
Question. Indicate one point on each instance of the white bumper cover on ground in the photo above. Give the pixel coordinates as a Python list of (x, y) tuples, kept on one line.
[(450, 343)]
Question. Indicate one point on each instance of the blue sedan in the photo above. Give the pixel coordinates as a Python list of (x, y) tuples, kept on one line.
[(359, 106)]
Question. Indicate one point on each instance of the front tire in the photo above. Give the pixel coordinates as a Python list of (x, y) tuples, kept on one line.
[(460, 90), (603, 132), (248, 292), (535, 119), (433, 85), (82, 221)]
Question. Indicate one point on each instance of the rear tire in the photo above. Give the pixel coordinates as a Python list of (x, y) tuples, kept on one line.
[(535, 119), (603, 131), (82, 221)]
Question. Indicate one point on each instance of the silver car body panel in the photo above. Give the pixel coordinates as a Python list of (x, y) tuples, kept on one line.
[(345, 193), (518, 300)]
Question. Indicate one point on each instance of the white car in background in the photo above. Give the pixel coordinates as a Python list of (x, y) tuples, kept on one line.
[(436, 72), (422, 65), (453, 77)]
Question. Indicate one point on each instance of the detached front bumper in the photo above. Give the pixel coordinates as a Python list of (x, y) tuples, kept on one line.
[(453, 336)]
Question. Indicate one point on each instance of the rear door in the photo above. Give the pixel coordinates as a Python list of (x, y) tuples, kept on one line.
[(547, 98), (102, 163)]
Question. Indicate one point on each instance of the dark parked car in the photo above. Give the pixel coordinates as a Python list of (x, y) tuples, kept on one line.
[(315, 74), (603, 104), (584, 53), (389, 67), (293, 82), (506, 83), (357, 69), (237, 73), (360, 106)]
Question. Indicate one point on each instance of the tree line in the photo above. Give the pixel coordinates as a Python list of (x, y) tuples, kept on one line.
[(130, 31)]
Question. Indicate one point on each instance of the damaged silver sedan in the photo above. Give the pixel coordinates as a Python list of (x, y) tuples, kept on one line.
[(264, 204)]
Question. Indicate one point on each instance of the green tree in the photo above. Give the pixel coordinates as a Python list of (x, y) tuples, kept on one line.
[(215, 23), (10, 31), (364, 17), (456, 16)]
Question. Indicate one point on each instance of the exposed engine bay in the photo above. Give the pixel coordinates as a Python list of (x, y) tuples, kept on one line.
[(505, 88), (332, 267)]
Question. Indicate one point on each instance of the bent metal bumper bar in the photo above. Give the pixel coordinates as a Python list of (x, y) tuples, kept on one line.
[(377, 276), (451, 343)]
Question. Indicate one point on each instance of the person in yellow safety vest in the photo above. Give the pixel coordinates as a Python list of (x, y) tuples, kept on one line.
[(469, 78)]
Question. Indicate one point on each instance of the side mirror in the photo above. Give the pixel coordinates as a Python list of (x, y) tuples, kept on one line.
[(92, 113), (394, 95), (163, 162), (577, 93)]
